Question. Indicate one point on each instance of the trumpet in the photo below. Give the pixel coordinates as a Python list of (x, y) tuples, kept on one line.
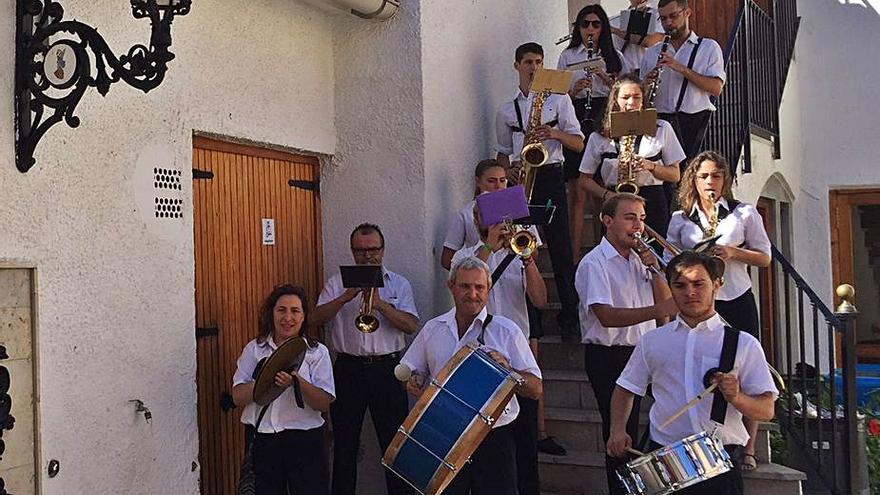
[(522, 242), (366, 322)]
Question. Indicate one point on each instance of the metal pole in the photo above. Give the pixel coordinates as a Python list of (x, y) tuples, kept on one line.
[(847, 313)]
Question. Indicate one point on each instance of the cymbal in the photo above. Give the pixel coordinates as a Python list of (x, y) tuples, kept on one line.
[(287, 357)]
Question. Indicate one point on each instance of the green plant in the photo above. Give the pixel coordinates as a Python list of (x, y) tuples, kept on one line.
[(872, 440)]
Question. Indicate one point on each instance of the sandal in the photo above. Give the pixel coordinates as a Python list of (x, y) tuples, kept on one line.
[(749, 462)]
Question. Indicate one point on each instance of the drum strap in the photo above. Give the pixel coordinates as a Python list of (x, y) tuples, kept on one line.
[(480, 338), (499, 270), (728, 356)]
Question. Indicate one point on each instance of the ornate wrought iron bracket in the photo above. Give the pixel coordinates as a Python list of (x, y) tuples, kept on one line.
[(56, 60)]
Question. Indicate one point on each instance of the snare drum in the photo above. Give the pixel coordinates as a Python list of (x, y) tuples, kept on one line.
[(450, 420), (680, 465)]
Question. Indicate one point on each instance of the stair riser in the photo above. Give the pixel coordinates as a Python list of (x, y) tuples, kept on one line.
[(567, 479), (571, 394), (570, 480), (561, 356)]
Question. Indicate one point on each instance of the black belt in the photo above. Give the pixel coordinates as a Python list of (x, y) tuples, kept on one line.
[(381, 358)]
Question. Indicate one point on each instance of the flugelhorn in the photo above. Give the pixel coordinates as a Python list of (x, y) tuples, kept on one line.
[(522, 242), (366, 322)]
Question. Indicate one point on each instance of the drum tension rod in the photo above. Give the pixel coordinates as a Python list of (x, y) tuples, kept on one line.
[(446, 463), (488, 419)]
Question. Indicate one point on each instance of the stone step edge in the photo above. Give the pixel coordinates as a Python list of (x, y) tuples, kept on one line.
[(591, 415), (772, 472)]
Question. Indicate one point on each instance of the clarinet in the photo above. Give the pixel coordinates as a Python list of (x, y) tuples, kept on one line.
[(656, 83), (588, 101)]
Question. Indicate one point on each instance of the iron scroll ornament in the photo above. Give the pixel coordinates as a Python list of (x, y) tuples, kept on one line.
[(57, 60)]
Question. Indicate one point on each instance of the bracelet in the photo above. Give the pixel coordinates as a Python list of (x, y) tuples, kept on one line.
[(488, 247)]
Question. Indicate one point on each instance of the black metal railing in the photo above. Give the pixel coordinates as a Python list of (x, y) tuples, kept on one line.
[(816, 349), (757, 57)]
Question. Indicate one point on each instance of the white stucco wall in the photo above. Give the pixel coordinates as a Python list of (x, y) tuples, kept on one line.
[(829, 129), (116, 311), (468, 56)]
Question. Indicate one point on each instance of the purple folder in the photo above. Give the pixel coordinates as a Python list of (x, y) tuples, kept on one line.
[(505, 204)]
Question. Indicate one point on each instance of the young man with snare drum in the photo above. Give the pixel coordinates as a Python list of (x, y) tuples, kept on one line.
[(678, 359)]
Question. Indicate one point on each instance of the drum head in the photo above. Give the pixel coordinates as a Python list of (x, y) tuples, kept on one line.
[(288, 357)]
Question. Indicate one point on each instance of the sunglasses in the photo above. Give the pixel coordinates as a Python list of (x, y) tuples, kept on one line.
[(585, 24)]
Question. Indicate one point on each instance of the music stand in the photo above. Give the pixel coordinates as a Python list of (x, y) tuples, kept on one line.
[(361, 276), (538, 215), (637, 21), (636, 123), (555, 81)]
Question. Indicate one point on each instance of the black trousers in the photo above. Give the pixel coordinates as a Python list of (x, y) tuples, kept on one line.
[(656, 208), (604, 365), (729, 483), (741, 313), (589, 120), (690, 129), (290, 461), (360, 385), (492, 470), (550, 186), (525, 433)]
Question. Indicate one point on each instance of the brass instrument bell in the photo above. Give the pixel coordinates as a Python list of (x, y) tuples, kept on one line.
[(366, 322)]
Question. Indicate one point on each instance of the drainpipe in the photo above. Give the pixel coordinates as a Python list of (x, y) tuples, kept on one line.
[(367, 9)]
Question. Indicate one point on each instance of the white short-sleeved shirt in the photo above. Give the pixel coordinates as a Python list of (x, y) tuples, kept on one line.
[(605, 277), (664, 143), (283, 413), (634, 53), (709, 62), (438, 341), (462, 231), (577, 55), (556, 107), (344, 337), (743, 227), (508, 296), (673, 360)]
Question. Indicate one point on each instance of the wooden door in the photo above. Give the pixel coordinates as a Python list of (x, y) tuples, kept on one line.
[(845, 203), (234, 188), (767, 285)]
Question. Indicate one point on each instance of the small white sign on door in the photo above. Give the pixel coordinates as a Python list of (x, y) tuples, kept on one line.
[(268, 231)]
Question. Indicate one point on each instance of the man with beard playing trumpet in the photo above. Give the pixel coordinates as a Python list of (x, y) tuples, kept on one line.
[(620, 302)]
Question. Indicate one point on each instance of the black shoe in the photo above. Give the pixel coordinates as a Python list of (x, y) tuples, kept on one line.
[(549, 446)]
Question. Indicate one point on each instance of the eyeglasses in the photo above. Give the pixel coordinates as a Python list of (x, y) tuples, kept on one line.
[(367, 251), (585, 24), (671, 17)]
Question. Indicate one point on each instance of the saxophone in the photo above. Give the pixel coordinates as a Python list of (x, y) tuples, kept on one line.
[(656, 84), (713, 219), (534, 154), (626, 177)]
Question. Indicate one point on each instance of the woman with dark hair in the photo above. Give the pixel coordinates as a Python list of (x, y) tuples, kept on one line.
[(656, 157), (288, 436), (590, 40), (708, 208)]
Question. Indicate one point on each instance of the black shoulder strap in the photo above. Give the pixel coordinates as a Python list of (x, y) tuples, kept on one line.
[(480, 338), (499, 270), (685, 81), (518, 116), (725, 365)]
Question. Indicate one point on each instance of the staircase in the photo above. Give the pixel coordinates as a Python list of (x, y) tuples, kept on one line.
[(571, 415)]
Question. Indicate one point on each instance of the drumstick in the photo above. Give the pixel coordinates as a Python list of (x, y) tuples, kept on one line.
[(689, 405), (635, 452)]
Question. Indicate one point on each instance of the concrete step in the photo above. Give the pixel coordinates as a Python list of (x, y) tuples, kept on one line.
[(581, 473), (567, 388), (554, 353), (581, 429)]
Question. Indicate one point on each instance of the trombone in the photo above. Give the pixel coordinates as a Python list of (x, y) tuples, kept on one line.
[(366, 322)]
